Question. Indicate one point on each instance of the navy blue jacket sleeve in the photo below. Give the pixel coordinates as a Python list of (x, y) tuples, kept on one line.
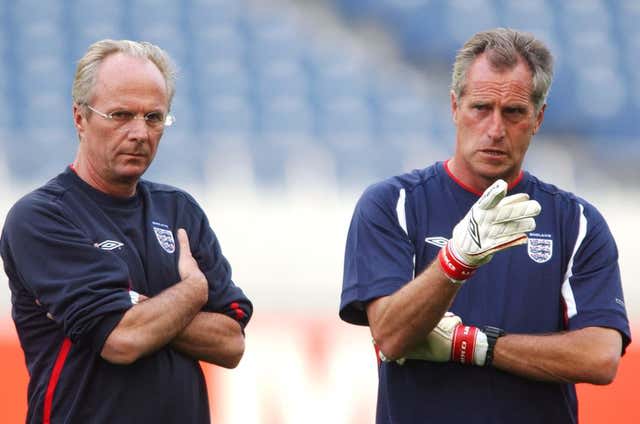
[(224, 296), (83, 287), (379, 253), (593, 287)]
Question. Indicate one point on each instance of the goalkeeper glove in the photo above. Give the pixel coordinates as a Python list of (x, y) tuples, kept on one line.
[(450, 340), (493, 223)]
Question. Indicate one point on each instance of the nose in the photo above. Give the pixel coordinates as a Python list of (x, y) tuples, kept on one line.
[(496, 127), (137, 129)]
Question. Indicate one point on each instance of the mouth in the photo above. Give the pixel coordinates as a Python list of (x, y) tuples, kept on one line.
[(493, 152), (137, 155)]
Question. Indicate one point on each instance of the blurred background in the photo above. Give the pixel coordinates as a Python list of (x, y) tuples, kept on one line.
[(286, 110)]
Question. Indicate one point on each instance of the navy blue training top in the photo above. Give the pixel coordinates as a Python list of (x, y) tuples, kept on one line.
[(79, 253), (566, 277)]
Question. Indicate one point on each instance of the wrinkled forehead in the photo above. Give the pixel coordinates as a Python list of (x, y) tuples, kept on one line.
[(512, 83)]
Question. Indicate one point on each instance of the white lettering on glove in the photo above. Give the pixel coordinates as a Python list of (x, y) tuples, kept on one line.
[(451, 340)]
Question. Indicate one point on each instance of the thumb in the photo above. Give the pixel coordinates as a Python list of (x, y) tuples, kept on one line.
[(492, 195), (183, 241)]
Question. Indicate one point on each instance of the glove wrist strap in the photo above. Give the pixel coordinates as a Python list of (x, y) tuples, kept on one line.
[(463, 344), (454, 268)]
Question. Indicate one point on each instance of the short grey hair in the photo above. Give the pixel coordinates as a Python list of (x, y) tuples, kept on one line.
[(87, 68), (504, 47)]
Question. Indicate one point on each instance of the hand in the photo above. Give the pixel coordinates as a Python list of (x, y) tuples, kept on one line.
[(493, 223), (452, 341), (187, 265)]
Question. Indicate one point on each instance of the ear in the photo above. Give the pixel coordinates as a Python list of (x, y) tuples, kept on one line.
[(539, 119), (454, 106), (78, 119)]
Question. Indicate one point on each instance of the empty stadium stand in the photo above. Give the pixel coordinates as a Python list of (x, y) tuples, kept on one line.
[(250, 75)]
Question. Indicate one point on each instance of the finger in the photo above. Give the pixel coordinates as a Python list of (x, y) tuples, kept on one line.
[(511, 228), (514, 198), (183, 240), (492, 195), (517, 211)]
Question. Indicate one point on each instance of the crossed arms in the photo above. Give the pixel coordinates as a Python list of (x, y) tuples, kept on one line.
[(400, 321), (174, 317)]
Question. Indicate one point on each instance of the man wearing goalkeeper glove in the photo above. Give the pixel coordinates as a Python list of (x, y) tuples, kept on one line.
[(488, 292)]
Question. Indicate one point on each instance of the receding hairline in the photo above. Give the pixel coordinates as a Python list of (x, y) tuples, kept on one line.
[(123, 55), (87, 67), (497, 67)]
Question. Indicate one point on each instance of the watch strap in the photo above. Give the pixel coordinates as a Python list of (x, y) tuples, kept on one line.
[(492, 333)]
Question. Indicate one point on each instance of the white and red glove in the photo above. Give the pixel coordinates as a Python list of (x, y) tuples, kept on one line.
[(493, 223), (451, 341)]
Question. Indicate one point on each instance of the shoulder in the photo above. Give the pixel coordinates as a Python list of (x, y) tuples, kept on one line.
[(563, 200), (168, 193), (45, 198), (577, 217), (391, 189)]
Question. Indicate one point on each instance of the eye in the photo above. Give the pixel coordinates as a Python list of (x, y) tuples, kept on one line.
[(480, 106), (122, 115), (154, 117)]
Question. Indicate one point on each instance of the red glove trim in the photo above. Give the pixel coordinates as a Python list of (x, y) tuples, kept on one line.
[(452, 266), (464, 344)]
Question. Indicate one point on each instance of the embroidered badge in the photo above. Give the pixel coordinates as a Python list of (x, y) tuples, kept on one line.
[(540, 249), (165, 238)]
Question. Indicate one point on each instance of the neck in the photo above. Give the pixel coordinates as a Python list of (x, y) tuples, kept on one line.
[(91, 176), (475, 182)]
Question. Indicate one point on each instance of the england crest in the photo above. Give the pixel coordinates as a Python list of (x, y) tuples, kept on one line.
[(165, 238), (539, 249)]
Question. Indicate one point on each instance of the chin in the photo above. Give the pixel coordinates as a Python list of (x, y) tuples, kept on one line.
[(131, 172), (495, 171)]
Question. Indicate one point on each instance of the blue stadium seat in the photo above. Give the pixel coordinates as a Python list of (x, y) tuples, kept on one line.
[(171, 39), (227, 116), (592, 48), (285, 117), (28, 12), (404, 114), (272, 37), (346, 120), (278, 78), (218, 42), (221, 77), (535, 16), (143, 14), (577, 16), (47, 110), (601, 98), (36, 155), (332, 75), (206, 13), (466, 17)]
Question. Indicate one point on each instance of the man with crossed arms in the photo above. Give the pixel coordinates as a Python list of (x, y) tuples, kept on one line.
[(534, 275), (119, 287)]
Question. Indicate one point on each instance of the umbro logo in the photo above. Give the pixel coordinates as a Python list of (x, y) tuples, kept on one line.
[(436, 241), (109, 245)]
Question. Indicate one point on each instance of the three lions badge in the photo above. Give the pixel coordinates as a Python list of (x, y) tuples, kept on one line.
[(165, 237), (540, 249)]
